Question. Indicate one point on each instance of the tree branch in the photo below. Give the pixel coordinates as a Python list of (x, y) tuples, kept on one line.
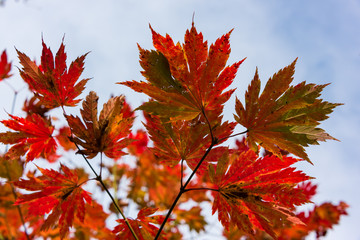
[(98, 178)]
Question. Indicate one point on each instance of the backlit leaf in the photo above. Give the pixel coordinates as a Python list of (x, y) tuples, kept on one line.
[(52, 82), (33, 137), (5, 66), (143, 225), (106, 133), (55, 192), (257, 192), (185, 80), (283, 117)]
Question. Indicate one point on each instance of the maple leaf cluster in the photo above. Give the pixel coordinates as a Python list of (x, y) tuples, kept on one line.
[(179, 158)]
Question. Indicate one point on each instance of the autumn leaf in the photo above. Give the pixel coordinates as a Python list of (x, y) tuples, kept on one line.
[(283, 117), (143, 225), (5, 66), (55, 192), (163, 178), (106, 133), (11, 170), (185, 80), (34, 105), (10, 221), (94, 224), (325, 216), (256, 192), (319, 220), (140, 143), (63, 138), (308, 188), (183, 140), (33, 137), (192, 218), (52, 82)]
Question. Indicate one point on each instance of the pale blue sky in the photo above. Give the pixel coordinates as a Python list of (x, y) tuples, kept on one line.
[(325, 35)]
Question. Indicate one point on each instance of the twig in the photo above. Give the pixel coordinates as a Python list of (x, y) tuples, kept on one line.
[(98, 178), (234, 135), (182, 172), (203, 188)]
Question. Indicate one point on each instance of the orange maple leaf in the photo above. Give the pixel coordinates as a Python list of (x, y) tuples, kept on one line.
[(319, 220), (257, 192), (57, 192), (283, 117), (143, 225), (192, 217), (52, 82), (185, 80), (33, 137), (108, 133), (63, 138), (5, 66)]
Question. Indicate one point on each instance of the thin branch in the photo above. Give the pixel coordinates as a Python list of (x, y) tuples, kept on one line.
[(182, 172), (114, 185), (182, 190), (12, 88), (203, 188), (14, 101), (101, 165), (208, 123), (98, 178), (234, 135), (85, 181), (87, 161)]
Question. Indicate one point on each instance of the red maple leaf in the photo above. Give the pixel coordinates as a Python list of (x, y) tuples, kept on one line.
[(57, 192), (257, 192), (185, 80), (33, 137), (140, 143), (5, 66), (143, 225), (52, 82)]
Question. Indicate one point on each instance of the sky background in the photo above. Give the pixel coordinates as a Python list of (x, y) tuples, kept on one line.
[(324, 35)]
